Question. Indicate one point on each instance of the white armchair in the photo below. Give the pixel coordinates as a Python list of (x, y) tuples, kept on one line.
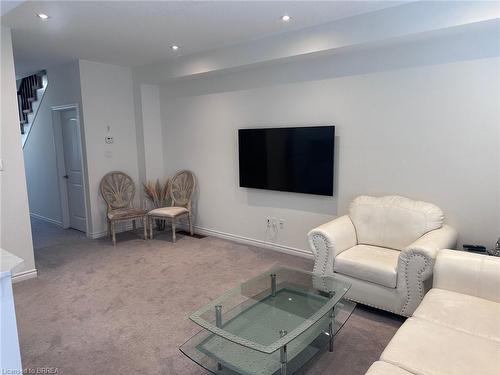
[(385, 248)]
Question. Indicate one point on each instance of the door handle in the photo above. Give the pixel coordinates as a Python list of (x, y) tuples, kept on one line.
[(66, 176)]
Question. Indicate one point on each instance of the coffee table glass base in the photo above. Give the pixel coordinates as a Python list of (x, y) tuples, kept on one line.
[(223, 357)]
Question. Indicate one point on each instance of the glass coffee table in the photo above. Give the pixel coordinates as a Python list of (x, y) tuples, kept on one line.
[(274, 323)]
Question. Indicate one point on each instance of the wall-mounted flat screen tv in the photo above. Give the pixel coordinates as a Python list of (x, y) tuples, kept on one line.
[(298, 159)]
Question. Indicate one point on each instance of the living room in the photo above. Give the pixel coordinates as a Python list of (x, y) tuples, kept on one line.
[(411, 90)]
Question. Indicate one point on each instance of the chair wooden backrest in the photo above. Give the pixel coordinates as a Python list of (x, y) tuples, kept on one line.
[(182, 186), (118, 190)]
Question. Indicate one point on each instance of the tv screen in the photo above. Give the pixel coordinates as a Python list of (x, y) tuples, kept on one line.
[(298, 159)]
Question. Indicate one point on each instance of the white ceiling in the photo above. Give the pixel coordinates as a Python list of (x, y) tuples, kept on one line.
[(7, 6), (135, 33)]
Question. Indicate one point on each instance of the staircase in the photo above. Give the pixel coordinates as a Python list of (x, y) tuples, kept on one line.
[(31, 90)]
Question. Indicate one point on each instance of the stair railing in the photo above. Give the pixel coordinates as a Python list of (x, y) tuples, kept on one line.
[(26, 95)]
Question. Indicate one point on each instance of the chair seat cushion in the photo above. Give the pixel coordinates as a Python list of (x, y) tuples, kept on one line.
[(168, 211), (462, 312), (370, 263), (423, 347), (126, 213)]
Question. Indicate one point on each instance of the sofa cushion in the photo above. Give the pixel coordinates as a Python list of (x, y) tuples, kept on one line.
[(426, 348), (468, 273), (393, 221), (384, 368), (465, 313), (370, 263)]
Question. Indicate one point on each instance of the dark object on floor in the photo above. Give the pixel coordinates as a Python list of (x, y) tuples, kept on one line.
[(195, 235)]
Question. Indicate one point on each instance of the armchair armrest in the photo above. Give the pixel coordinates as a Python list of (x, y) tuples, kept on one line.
[(416, 264), (329, 240), (473, 274)]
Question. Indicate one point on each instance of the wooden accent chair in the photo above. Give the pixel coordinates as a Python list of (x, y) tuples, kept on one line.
[(182, 187), (118, 190)]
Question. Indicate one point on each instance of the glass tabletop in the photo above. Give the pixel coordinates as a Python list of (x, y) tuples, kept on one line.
[(223, 357), (269, 311)]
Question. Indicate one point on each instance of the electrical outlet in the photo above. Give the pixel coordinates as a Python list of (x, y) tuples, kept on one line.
[(282, 223), (268, 221), (274, 222)]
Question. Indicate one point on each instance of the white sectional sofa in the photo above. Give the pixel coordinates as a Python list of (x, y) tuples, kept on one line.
[(456, 328)]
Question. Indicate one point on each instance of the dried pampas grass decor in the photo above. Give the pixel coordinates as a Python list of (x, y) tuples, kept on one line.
[(157, 193)]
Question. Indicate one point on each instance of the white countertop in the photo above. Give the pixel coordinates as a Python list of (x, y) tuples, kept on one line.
[(8, 262)]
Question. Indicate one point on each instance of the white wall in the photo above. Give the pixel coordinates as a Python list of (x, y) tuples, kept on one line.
[(152, 128), (428, 132), (39, 151), (104, 95), (107, 100), (15, 226)]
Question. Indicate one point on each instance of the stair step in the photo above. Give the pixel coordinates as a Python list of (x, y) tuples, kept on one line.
[(30, 94)]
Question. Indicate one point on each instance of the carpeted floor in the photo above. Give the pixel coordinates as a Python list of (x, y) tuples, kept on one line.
[(99, 309)]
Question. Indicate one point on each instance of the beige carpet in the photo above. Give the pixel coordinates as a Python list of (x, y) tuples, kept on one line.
[(99, 309)]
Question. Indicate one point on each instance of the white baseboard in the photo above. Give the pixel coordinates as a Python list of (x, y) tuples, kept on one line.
[(254, 242), (228, 236), (48, 220), (97, 235), (25, 275), (120, 227)]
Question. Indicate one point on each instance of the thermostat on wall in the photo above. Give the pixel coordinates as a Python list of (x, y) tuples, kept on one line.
[(108, 139)]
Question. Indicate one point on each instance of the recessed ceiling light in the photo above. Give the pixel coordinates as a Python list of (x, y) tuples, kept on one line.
[(175, 47), (43, 16), (286, 18)]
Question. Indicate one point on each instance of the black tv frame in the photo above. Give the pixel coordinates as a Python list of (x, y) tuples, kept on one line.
[(327, 174)]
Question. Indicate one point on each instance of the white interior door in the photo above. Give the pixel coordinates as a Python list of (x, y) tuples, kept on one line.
[(73, 168)]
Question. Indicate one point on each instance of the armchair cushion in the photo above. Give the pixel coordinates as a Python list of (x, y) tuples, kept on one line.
[(393, 221), (370, 263)]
